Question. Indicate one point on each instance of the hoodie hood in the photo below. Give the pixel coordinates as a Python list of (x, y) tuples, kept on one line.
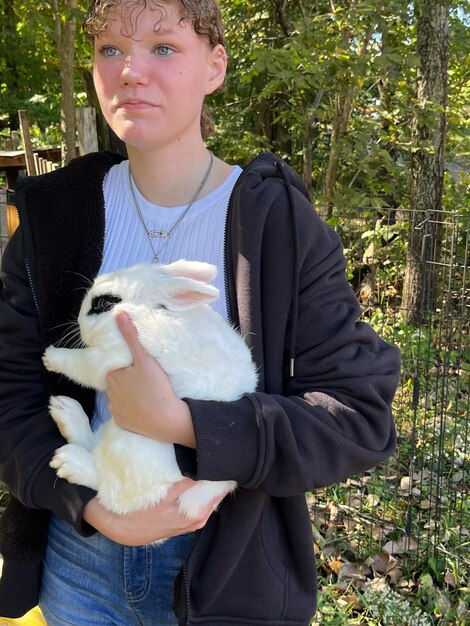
[(259, 176)]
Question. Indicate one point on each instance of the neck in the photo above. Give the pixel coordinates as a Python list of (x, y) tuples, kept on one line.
[(171, 178)]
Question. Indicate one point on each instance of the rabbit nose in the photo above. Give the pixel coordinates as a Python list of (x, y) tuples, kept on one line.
[(101, 304)]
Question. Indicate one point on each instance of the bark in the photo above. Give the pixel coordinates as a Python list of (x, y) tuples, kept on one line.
[(281, 18), (386, 88), (308, 138), (427, 161), (342, 112), (11, 56), (65, 31)]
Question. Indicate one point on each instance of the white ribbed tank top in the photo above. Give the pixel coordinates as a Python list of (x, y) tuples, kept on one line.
[(199, 237)]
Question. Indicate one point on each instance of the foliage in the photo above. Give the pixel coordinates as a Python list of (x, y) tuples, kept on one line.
[(395, 541), (331, 87), (291, 63), (29, 67), (297, 71)]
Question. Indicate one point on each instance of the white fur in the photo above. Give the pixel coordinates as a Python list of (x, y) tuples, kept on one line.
[(204, 357)]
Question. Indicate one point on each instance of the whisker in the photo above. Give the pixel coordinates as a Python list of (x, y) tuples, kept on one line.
[(84, 288), (63, 324), (69, 336), (88, 280)]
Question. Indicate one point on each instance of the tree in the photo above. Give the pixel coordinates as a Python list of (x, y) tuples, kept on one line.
[(65, 23), (343, 103), (11, 52), (427, 162)]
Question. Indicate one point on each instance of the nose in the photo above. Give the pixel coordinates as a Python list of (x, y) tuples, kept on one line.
[(134, 71)]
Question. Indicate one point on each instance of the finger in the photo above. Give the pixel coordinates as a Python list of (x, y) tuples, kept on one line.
[(129, 332), (207, 511), (178, 488)]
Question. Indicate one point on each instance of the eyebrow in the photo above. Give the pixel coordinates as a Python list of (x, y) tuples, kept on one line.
[(164, 30)]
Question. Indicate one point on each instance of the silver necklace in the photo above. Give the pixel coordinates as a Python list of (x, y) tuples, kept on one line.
[(166, 234)]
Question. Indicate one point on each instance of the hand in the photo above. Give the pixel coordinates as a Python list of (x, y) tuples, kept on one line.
[(141, 398), (160, 521)]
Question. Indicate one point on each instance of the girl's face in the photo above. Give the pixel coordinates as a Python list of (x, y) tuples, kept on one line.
[(151, 86)]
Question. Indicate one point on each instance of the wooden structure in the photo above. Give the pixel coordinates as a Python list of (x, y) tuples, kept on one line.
[(12, 162), (8, 219), (41, 160)]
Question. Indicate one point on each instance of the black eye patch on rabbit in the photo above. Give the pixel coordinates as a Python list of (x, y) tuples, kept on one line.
[(203, 356), (101, 304)]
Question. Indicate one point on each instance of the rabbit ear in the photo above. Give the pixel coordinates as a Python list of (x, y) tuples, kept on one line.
[(192, 269), (186, 293)]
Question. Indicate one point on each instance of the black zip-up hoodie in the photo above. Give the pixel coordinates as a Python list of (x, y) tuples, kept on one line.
[(320, 414)]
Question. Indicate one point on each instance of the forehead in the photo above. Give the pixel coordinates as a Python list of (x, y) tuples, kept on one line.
[(157, 15)]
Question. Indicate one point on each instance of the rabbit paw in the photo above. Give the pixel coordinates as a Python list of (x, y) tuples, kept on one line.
[(193, 500), (51, 359), (72, 421), (76, 465)]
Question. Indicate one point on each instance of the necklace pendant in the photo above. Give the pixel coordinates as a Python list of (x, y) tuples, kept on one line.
[(155, 259), (161, 234)]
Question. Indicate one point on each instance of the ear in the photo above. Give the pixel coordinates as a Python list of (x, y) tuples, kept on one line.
[(217, 68), (186, 293), (196, 270)]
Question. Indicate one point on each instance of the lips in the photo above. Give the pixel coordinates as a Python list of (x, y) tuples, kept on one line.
[(134, 104)]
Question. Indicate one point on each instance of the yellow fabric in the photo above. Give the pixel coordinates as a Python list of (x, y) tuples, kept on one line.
[(32, 618)]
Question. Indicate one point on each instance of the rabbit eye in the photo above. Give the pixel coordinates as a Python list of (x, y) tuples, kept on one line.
[(101, 304)]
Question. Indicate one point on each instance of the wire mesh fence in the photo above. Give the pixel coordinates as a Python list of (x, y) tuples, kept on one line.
[(8, 217), (416, 505)]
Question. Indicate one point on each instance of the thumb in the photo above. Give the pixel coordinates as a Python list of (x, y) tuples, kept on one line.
[(129, 332)]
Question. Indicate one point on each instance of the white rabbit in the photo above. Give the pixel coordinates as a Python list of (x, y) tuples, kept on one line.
[(203, 356)]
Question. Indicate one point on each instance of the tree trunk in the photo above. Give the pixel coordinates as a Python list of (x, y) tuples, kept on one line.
[(11, 55), (340, 123), (308, 137), (427, 161), (386, 87), (65, 30), (342, 112)]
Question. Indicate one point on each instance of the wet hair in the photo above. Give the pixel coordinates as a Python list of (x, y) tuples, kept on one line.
[(204, 15)]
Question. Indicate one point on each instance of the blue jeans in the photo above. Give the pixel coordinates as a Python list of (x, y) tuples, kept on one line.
[(92, 581)]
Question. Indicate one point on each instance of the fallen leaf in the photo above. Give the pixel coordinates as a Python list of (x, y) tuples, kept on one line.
[(405, 544), (450, 579), (335, 565), (351, 601), (426, 582), (405, 483), (443, 604), (380, 532), (354, 502), (356, 571), (379, 584), (349, 524), (394, 575), (381, 562), (372, 499)]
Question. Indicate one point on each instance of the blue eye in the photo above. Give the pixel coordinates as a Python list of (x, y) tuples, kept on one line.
[(163, 51), (109, 51)]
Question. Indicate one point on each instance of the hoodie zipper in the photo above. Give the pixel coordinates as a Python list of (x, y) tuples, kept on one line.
[(30, 280), (27, 266), (231, 320), (230, 314)]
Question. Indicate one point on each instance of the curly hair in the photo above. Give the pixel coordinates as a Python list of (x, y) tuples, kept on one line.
[(204, 15)]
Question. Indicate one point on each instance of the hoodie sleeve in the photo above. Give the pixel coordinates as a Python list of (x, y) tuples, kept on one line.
[(28, 435), (333, 418)]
